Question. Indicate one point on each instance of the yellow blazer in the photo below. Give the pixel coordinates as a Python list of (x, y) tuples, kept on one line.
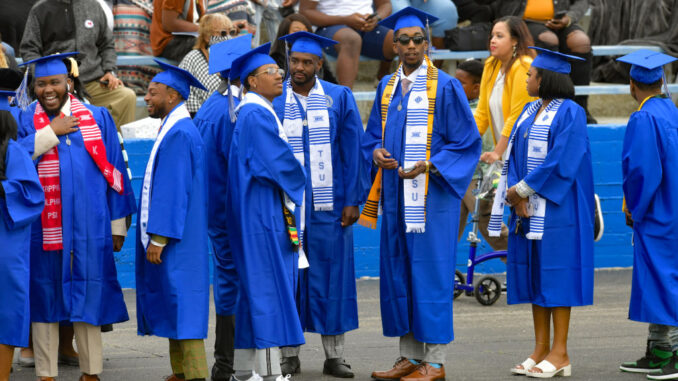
[(513, 98)]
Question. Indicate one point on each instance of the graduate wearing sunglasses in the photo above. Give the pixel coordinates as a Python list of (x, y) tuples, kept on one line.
[(424, 144)]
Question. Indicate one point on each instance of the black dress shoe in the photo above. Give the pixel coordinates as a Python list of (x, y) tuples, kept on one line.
[(290, 365), (337, 368)]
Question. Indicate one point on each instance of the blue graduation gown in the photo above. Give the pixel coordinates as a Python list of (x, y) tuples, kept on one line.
[(216, 129), (261, 166), (327, 298), (650, 183), (417, 269), (556, 271), (80, 282), (4, 105), (173, 297), (22, 204)]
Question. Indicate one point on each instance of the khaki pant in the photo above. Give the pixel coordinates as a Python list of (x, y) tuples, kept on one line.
[(187, 358), (120, 102), (46, 348), (484, 211)]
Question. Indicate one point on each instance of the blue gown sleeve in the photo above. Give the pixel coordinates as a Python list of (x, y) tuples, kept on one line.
[(641, 163), (216, 164), (350, 138), (120, 205), (372, 140), (24, 198), (270, 159), (171, 185), (554, 177), (26, 131), (458, 157)]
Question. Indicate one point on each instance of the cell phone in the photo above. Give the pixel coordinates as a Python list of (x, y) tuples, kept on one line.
[(559, 15), (408, 169), (372, 16), (104, 82)]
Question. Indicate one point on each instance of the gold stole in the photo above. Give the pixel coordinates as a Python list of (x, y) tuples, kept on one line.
[(370, 212)]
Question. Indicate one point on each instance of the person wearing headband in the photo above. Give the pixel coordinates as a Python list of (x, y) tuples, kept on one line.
[(88, 197), (172, 263), (424, 144), (21, 203), (265, 183), (547, 180), (325, 131), (215, 124), (651, 205)]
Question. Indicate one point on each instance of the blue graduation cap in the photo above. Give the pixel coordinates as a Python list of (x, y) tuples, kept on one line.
[(305, 42), (408, 17), (177, 78), (554, 61), (50, 65), (647, 66), (224, 53), (248, 62)]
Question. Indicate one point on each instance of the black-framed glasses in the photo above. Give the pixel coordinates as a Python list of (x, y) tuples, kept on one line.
[(272, 71), (405, 39)]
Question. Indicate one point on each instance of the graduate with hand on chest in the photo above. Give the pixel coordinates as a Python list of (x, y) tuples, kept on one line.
[(88, 197)]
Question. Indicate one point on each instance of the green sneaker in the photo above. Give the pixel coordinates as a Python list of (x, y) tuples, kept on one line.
[(652, 362), (668, 372)]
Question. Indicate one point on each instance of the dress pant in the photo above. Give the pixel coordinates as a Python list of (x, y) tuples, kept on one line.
[(46, 348), (414, 349)]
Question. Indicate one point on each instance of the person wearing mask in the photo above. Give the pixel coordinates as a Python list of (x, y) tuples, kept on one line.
[(215, 121), (214, 28), (549, 176)]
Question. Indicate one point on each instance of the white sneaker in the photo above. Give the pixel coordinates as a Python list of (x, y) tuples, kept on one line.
[(284, 378), (255, 377)]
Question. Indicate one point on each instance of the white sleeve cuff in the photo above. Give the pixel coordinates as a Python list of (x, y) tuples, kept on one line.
[(524, 190), (45, 139), (158, 243), (119, 227)]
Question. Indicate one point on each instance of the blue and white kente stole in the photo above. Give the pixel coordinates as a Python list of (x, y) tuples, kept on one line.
[(537, 146), (320, 149)]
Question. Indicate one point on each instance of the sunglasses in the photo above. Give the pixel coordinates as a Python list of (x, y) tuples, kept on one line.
[(232, 33), (405, 40), (272, 71)]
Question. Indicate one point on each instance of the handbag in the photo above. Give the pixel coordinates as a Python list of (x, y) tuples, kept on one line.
[(472, 37)]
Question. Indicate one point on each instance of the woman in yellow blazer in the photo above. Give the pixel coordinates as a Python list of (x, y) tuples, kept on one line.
[(502, 88)]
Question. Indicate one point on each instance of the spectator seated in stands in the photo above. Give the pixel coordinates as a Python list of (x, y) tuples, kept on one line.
[(268, 15), (85, 30), (175, 16), (240, 12), (445, 10), (296, 22), (214, 28), (553, 25), (354, 25)]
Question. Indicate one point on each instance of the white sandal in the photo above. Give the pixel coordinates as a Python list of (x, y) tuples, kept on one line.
[(527, 364), (549, 370)]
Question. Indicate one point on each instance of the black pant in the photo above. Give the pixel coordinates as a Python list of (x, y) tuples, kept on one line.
[(178, 47), (223, 348), (581, 70)]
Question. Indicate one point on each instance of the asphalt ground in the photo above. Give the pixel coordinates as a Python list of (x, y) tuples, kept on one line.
[(489, 340)]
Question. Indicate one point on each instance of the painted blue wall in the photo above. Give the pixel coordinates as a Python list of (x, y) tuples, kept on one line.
[(614, 250)]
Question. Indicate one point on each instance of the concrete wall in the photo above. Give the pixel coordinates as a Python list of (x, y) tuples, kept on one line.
[(614, 250)]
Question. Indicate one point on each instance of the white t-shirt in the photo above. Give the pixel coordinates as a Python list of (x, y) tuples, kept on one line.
[(302, 99), (496, 111), (344, 7)]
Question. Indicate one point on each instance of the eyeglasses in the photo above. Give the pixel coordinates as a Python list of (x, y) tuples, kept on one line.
[(405, 39), (272, 71), (232, 33)]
